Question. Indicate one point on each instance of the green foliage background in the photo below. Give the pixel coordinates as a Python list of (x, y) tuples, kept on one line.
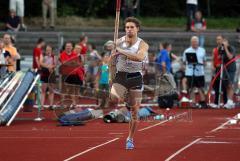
[(148, 8)]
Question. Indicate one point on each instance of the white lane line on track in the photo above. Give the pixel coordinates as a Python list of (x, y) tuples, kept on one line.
[(222, 125), (182, 149), (214, 142), (162, 122), (90, 149), (69, 137), (149, 127)]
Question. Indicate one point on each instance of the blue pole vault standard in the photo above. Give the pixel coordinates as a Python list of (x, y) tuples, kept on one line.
[(14, 105)]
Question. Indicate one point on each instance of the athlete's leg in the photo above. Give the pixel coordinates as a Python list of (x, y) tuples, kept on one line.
[(135, 97), (118, 93)]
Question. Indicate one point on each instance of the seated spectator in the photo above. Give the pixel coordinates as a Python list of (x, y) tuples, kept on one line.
[(199, 25), (18, 7), (13, 22)]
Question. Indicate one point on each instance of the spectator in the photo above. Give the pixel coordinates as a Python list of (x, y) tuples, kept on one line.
[(195, 77), (37, 52), (163, 59), (78, 50), (83, 43), (150, 70), (48, 6), (12, 59), (222, 54), (199, 25), (12, 22), (18, 6), (48, 64), (3, 55), (71, 76), (191, 7), (102, 81), (129, 8), (93, 61)]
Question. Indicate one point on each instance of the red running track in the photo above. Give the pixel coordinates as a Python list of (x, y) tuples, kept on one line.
[(207, 136)]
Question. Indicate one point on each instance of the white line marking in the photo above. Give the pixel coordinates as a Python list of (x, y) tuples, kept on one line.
[(213, 142), (115, 133), (222, 125), (182, 149), (90, 149), (162, 122), (149, 127), (95, 105), (70, 137)]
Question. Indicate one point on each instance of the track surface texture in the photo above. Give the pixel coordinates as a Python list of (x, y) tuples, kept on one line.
[(200, 135)]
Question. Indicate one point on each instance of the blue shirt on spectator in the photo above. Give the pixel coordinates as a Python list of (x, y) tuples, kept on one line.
[(104, 76), (164, 57)]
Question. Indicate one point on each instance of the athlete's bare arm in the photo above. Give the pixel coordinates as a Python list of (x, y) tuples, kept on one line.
[(141, 53)]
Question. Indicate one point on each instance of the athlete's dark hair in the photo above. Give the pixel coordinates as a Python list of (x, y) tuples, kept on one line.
[(133, 20)]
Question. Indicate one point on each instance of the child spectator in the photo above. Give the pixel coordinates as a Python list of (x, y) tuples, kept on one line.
[(102, 81), (48, 64)]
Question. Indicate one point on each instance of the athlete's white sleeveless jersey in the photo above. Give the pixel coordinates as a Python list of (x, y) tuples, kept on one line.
[(126, 65)]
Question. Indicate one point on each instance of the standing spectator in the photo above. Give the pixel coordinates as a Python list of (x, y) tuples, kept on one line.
[(129, 8), (191, 7), (78, 50), (195, 78), (71, 76), (83, 43), (18, 6), (199, 25), (102, 81), (12, 59), (48, 64), (13, 22), (48, 6), (93, 60), (163, 60), (3, 55), (222, 54), (37, 52)]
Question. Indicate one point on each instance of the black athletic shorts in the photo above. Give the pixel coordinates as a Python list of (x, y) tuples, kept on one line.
[(195, 81), (129, 80), (73, 79)]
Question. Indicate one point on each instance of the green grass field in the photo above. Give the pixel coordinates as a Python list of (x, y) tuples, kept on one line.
[(154, 22)]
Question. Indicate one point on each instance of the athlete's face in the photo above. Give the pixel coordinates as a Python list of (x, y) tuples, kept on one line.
[(131, 29)]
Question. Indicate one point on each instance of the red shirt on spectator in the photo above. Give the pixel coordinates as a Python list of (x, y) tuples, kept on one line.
[(36, 55), (217, 59), (84, 48), (68, 69)]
